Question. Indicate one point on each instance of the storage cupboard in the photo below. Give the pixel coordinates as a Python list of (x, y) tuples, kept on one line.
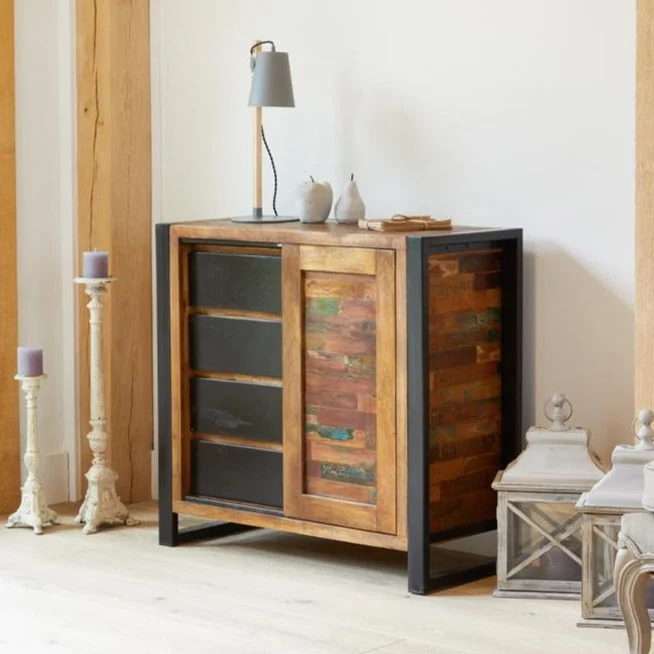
[(330, 381)]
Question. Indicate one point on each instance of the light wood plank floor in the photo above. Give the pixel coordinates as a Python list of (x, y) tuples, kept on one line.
[(259, 592)]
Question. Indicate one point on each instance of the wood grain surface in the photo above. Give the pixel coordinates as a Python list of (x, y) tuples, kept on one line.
[(263, 591), (465, 391), (114, 214), (9, 434), (321, 234)]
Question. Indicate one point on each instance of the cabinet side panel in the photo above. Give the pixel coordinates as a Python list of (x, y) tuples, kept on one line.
[(340, 386), (465, 386)]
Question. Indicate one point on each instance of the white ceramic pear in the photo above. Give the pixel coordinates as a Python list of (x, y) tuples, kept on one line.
[(350, 207), (314, 201)]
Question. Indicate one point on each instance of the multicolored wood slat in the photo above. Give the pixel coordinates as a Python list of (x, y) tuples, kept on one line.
[(340, 386), (465, 390)]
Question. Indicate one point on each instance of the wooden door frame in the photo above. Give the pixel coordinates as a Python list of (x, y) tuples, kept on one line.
[(9, 430), (644, 227)]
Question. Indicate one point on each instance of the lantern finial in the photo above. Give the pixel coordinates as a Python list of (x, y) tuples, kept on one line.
[(559, 417), (645, 434)]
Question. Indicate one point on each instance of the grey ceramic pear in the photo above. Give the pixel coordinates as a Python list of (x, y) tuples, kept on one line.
[(350, 208)]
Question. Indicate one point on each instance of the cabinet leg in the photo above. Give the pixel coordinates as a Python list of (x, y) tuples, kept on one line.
[(211, 531), (168, 531), (422, 581), (418, 564), (170, 535)]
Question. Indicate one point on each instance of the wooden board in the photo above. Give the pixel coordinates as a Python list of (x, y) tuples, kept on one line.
[(236, 282), (320, 235), (284, 523), (9, 434), (235, 345), (237, 473), (236, 409), (263, 591), (465, 390), (340, 371), (401, 393), (644, 233), (114, 214)]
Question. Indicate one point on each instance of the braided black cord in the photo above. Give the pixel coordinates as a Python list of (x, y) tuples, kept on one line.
[(272, 163)]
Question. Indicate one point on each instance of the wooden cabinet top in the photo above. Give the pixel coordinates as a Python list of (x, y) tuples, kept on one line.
[(323, 233)]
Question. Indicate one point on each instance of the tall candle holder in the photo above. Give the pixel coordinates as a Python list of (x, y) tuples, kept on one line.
[(101, 505), (33, 510)]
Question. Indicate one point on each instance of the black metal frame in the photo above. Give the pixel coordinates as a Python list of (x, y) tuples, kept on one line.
[(421, 580), (169, 532)]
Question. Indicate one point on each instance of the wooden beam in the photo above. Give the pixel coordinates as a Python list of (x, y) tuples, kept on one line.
[(9, 433), (644, 303), (115, 214)]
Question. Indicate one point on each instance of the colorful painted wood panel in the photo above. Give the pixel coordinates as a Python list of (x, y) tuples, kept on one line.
[(340, 386), (465, 390)]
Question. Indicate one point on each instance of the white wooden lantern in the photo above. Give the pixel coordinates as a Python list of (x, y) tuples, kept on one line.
[(538, 526), (619, 491)]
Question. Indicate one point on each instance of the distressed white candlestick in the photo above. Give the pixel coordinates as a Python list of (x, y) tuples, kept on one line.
[(101, 506), (33, 511)]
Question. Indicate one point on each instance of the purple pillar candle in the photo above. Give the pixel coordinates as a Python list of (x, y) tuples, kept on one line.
[(95, 265), (30, 361)]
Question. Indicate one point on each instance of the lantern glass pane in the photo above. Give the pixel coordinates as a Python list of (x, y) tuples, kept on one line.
[(604, 549), (544, 541)]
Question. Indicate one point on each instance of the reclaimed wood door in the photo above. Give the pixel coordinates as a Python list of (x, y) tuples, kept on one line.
[(339, 386)]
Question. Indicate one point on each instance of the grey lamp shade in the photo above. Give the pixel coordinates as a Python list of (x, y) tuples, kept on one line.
[(271, 81)]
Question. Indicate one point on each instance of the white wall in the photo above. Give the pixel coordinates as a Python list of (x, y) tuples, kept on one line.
[(45, 206), (516, 113), (510, 113)]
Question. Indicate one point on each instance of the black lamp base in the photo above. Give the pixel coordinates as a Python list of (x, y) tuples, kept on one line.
[(265, 219)]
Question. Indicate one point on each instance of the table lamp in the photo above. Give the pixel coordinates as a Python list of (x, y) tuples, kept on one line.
[(271, 87)]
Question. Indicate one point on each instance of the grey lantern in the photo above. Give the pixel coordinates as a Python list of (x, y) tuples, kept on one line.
[(538, 526), (619, 491)]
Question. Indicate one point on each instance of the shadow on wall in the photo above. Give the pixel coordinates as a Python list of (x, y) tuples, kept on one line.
[(578, 339)]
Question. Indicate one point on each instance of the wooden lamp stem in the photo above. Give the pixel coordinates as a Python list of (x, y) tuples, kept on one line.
[(257, 206)]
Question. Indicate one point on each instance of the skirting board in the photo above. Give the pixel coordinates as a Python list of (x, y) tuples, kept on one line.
[(154, 477), (54, 477)]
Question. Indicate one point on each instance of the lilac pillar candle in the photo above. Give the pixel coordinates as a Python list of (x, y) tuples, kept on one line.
[(30, 361), (95, 265)]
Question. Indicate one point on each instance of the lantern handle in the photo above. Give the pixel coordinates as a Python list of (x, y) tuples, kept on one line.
[(558, 419)]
